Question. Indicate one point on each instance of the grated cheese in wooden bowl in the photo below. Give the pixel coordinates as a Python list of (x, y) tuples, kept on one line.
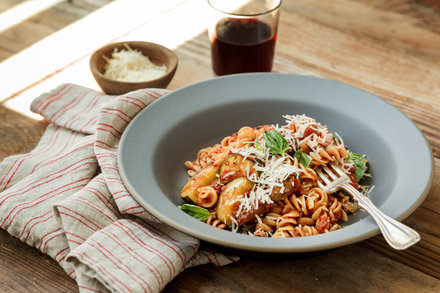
[(131, 66)]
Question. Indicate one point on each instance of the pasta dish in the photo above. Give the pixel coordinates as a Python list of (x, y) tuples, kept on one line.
[(262, 180)]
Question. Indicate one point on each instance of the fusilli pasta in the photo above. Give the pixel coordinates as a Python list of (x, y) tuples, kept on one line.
[(261, 181)]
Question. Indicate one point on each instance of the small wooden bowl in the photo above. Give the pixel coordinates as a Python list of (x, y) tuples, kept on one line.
[(158, 54)]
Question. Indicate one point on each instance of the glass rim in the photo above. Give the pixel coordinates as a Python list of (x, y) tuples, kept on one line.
[(246, 14)]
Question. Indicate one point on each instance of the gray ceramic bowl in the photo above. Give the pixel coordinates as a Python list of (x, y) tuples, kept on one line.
[(170, 131)]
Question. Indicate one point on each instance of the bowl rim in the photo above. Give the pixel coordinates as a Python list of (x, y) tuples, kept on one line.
[(95, 55)]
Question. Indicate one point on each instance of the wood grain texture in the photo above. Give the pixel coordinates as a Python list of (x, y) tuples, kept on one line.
[(360, 269), (390, 48), (18, 133), (364, 49), (32, 271), (43, 24)]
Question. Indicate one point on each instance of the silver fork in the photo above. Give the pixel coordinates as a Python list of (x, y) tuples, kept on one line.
[(398, 235)]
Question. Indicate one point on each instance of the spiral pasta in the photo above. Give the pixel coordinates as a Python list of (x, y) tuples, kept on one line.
[(213, 221), (262, 180)]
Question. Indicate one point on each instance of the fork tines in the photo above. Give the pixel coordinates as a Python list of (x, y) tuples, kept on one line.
[(333, 177)]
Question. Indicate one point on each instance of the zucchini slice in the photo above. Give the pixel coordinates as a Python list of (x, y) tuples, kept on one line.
[(235, 166), (228, 205), (205, 177)]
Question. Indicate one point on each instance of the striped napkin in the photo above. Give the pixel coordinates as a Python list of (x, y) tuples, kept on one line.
[(67, 199)]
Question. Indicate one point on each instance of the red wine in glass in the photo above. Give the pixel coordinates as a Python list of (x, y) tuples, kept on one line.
[(242, 45)]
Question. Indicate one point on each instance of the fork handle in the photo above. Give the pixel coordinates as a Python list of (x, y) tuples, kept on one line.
[(398, 235)]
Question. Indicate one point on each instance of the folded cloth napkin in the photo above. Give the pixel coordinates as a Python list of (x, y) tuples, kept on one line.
[(67, 199)]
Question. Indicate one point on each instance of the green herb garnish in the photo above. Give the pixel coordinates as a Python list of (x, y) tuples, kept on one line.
[(257, 145), (197, 212), (359, 165), (303, 158), (275, 142)]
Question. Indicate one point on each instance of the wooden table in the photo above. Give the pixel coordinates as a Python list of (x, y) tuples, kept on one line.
[(390, 48)]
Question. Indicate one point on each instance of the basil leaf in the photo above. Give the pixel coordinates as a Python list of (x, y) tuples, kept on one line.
[(197, 212), (303, 158), (275, 142), (257, 145), (359, 165)]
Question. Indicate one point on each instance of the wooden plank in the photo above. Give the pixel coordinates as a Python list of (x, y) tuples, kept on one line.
[(399, 25), (32, 271), (43, 24), (432, 201), (342, 40), (18, 133), (194, 62), (304, 51), (424, 256), (312, 273), (348, 269), (67, 41), (424, 12), (195, 66), (7, 4)]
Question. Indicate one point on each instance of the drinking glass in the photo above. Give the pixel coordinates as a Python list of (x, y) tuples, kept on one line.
[(243, 35)]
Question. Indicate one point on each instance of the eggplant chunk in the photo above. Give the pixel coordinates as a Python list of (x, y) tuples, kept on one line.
[(234, 166), (291, 185), (205, 177), (228, 203)]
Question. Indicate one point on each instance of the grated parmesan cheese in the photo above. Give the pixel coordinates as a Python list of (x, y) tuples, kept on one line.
[(274, 170), (131, 66)]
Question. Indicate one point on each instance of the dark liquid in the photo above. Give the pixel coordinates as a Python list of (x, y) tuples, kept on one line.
[(242, 46)]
